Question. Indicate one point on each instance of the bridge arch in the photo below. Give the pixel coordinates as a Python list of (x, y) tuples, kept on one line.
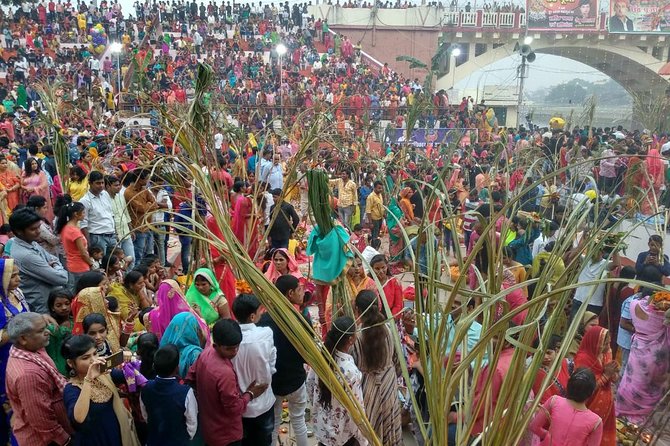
[(635, 70)]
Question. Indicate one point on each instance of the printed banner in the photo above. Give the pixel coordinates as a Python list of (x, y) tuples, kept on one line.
[(562, 14), (639, 16)]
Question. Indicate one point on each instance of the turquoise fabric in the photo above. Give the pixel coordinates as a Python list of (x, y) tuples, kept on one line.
[(183, 334), (330, 253)]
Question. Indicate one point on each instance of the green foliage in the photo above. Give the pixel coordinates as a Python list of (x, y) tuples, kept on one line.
[(577, 91), (319, 200)]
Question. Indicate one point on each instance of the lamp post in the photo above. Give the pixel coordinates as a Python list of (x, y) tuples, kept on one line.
[(455, 52), (281, 50), (116, 48), (527, 56)]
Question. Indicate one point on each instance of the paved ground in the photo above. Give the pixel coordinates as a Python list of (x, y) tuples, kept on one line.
[(636, 241)]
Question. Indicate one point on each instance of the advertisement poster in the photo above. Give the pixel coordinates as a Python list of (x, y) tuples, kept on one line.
[(639, 16), (562, 14)]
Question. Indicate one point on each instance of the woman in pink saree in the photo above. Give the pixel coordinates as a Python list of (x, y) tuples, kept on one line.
[(282, 263), (653, 177), (35, 182), (645, 380), (171, 302)]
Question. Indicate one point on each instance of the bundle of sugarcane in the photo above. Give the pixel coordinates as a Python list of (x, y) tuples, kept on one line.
[(54, 104), (318, 195)]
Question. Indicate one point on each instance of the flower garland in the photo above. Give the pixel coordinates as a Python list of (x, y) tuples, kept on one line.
[(660, 300)]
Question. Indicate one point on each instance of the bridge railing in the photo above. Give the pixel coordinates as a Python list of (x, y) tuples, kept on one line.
[(484, 19), (466, 20), (490, 19), (506, 19)]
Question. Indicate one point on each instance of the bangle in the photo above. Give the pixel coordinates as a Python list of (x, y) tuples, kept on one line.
[(128, 327), (88, 380), (251, 394)]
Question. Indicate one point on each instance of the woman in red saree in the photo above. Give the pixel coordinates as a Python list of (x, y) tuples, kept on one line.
[(559, 383), (222, 270), (595, 353), (243, 224), (652, 179)]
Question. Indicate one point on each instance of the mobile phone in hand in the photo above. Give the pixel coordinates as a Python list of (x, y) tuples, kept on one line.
[(112, 361)]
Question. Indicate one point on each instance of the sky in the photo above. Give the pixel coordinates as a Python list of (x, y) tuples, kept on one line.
[(547, 70)]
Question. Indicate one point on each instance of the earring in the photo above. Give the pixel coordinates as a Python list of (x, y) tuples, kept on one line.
[(72, 373)]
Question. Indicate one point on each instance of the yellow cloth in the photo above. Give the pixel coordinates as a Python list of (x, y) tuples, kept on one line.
[(374, 205), (556, 264), (356, 218), (292, 246), (519, 274), (78, 190), (81, 21), (90, 300), (125, 297), (347, 194)]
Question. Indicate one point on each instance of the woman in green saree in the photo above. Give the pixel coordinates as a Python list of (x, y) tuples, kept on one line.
[(206, 298), (396, 240)]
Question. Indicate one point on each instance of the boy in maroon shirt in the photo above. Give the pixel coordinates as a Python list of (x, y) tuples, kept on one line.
[(221, 403)]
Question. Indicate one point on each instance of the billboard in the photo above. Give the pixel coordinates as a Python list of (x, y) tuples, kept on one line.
[(562, 15), (639, 16)]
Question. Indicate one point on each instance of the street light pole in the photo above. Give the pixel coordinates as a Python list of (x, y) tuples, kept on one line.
[(118, 71), (527, 56), (281, 50), (522, 76), (116, 48)]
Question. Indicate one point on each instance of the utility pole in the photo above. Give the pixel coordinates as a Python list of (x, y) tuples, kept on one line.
[(522, 76), (527, 56)]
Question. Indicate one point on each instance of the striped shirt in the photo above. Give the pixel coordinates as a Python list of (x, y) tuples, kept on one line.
[(347, 194), (39, 413)]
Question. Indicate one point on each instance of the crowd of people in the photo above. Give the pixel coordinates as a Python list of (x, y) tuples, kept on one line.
[(115, 329)]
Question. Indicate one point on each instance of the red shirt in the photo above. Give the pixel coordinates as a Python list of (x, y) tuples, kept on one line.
[(224, 177), (75, 263), (220, 401), (499, 373), (40, 416), (393, 294)]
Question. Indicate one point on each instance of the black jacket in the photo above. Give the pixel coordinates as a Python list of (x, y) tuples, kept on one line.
[(290, 374), (286, 222)]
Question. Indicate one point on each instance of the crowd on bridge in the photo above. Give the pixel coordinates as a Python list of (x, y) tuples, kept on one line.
[(109, 310)]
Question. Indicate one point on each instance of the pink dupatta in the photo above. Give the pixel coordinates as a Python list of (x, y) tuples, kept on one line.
[(171, 302), (272, 274), (655, 169)]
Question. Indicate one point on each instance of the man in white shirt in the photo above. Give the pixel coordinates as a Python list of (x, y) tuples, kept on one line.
[(158, 218), (255, 364), (263, 166), (94, 65), (218, 140), (593, 269), (121, 218), (542, 240), (197, 42), (98, 223), (275, 175)]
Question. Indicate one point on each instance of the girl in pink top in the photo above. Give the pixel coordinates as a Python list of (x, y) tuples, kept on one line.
[(566, 421)]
